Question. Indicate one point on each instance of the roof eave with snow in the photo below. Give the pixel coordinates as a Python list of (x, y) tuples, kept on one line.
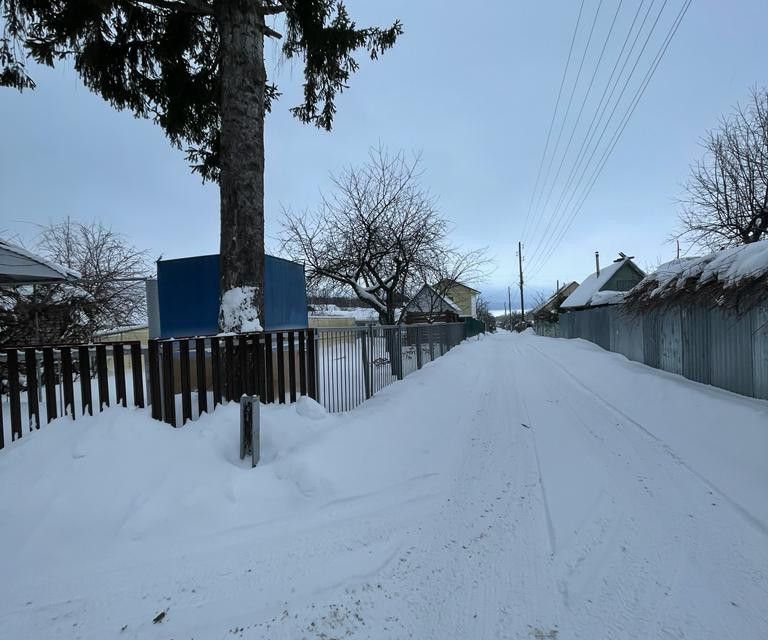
[(19, 266)]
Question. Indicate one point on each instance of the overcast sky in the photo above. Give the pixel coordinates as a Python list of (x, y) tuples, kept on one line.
[(472, 87)]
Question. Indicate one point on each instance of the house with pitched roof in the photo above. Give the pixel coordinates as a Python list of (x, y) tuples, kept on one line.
[(606, 286)]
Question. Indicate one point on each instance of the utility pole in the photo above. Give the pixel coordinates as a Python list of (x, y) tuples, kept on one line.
[(504, 319), (520, 265), (509, 297), (678, 249)]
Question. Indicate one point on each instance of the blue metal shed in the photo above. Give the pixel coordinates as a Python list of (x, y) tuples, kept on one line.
[(188, 295)]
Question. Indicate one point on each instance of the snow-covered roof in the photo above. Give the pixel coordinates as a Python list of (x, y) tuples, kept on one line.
[(17, 265), (724, 273), (584, 296), (561, 294), (332, 310), (415, 303)]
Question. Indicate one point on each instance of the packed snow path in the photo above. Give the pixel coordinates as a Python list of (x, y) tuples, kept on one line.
[(520, 487)]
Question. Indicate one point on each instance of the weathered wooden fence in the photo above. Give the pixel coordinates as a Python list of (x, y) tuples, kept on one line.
[(66, 380), (182, 378), (192, 376)]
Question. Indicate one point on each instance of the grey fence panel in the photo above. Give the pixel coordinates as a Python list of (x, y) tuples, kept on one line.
[(568, 325), (626, 334), (652, 339), (706, 345), (760, 351), (601, 328), (731, 340), (671, 343), (696, 344), (354, 363)]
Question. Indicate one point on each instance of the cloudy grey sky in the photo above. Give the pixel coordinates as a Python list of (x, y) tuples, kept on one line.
[(471, 87)]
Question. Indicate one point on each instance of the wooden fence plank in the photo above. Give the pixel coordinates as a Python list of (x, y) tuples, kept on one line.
[(137, 373), (270, 374), (216, 371), (102, 375), (186, 385), (302, 363), (118, 357), (33, 404), (292, 365), (84, 365), (229, 368), (280, 369), (241, 374), (253, 385), (155, 394), (67, 382), (49, 380), (202, 386), (311, 377), (261, 369), (14, 392), (169, 394)]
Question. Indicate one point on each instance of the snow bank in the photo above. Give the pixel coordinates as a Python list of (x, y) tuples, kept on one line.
[(588, 496), (238, 312)]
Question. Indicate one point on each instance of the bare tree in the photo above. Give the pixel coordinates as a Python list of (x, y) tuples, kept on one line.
[(484, 314), (377, 234), (110, 293), (727, 191)]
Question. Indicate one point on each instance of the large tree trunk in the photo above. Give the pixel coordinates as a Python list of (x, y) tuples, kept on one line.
[(243, 80)]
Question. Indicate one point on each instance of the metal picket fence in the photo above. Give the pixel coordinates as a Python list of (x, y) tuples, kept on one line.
[(354, 363)]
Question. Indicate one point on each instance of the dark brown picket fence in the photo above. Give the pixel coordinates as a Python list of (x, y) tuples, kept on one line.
[(182, 378), (47, 378), (191, 376)]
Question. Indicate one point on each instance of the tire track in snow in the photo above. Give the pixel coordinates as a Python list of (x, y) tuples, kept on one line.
[(547, 510), (743, 511), (668, 543)]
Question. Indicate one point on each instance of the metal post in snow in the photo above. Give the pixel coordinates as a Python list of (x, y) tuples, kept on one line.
[(250, 424), (418, 347), (366, 365)]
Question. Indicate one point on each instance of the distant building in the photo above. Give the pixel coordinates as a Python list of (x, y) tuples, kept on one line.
[(549, 309), (606, 286), (429, 305), (461, 295)]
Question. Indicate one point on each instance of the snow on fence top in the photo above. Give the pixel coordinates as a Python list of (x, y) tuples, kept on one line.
[(736, 277)]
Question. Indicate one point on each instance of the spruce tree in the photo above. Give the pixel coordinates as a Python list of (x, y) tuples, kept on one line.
[(196, 67)]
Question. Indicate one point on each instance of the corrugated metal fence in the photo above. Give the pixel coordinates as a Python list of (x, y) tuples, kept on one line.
[(712, 346)]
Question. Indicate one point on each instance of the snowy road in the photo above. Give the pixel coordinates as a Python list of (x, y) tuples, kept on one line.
[(520, 487)]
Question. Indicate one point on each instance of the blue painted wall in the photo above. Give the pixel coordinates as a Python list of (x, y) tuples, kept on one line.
[(188, 295)]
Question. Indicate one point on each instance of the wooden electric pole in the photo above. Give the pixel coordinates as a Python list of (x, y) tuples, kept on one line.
[(520, 266)]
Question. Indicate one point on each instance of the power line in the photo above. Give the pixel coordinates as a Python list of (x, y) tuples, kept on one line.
[(565, 117), (559, 213), (554, 114), (587, 138), (583, 104), (603, 106), (617, 135)]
